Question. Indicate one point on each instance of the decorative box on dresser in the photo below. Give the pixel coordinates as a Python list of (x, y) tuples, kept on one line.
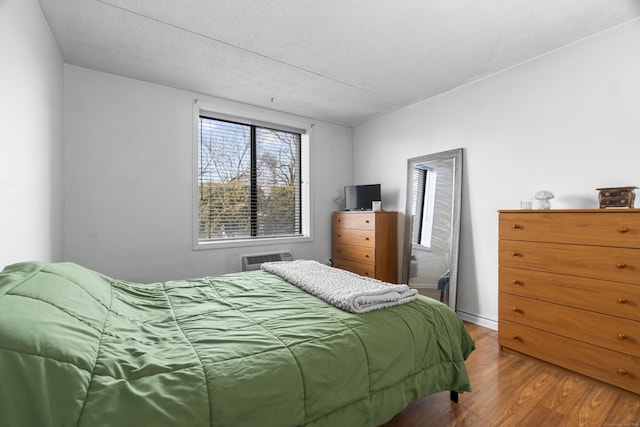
[(366, 243), (569, 290)]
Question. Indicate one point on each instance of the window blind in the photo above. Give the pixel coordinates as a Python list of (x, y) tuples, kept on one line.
[(249, 181), (417, 195), (423, 183)]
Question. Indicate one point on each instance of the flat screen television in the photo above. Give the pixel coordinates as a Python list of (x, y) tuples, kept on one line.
[(359, 197)]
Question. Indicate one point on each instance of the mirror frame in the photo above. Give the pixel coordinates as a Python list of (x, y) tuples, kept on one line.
[(454, 246)]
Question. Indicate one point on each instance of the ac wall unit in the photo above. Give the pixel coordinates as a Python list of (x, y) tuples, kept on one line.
[(253, 261)]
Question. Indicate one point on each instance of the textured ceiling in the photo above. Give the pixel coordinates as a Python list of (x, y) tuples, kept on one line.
[(338, 61)]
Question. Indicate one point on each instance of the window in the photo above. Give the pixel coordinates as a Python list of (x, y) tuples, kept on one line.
[(250, 180), (424, 191)]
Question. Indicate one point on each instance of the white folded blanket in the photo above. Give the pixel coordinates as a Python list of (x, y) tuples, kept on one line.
[(340, 288)]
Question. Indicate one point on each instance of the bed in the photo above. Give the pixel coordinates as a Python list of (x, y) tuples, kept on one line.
[(78, 348)]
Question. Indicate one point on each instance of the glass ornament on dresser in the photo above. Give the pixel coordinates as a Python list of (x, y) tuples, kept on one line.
[(543, 197)]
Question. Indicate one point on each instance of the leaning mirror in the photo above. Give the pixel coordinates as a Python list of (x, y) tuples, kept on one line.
[(432, 225)]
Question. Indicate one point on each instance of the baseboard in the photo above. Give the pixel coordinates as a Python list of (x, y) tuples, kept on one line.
[(432, 287), (478, 320)]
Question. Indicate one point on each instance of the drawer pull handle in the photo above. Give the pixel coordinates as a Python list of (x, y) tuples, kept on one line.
[(366, 238), (516, 226), (366, 256), (515, 337), (516, 310), (367, 221), (516, 282), (621, 265), (515, 253), (622, 371), (622, 300), (622, 336), (623, 229)]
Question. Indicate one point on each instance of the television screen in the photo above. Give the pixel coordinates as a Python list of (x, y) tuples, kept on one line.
[(359, 197)]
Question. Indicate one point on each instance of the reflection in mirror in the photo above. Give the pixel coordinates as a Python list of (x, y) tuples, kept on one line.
[(432, 225)]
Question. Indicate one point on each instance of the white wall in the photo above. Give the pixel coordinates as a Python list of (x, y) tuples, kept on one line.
[(567, 122), (31, 137), (129, 180)]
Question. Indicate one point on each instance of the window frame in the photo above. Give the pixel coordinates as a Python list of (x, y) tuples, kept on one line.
[(425, 209), (262, 119)]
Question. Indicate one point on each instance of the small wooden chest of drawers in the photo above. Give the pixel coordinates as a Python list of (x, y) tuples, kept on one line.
[(569, 290), (366, 243)]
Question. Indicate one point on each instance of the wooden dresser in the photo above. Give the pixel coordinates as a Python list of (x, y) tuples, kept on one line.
[(569, 283), (366, 243)]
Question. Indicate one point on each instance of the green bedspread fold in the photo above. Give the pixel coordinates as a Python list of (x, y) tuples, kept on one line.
[(78, 348)]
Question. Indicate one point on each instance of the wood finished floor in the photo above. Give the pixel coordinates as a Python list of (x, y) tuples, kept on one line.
[(510, 389)]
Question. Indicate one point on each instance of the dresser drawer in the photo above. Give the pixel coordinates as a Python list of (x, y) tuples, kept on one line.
[(361, 268), (605, 365), (620, 229), (360, 221), (618, 334), (354, 237), (612, 264), (617, 299), (354, 253)]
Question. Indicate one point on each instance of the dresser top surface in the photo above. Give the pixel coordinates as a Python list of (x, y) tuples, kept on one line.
[(542, 211), (355, 212)]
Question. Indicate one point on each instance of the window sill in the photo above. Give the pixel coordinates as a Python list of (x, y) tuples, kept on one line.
[(236, 243)]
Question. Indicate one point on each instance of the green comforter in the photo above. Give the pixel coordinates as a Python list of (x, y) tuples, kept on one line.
[(78, 348)]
